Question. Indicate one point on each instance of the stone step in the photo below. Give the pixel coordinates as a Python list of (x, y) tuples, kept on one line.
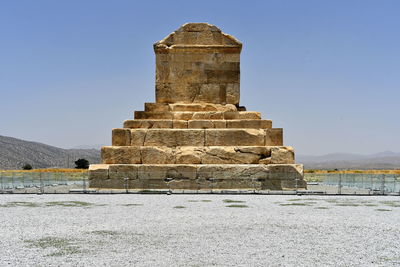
[(197, 155), (198, 124), (204, 115), (197, 137), (192, 176), (188, 107)]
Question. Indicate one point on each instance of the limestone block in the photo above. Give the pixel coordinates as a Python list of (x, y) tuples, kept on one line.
[(121, 137), (282, 155), (233, 93), (175, 171), (156, 107), (132, 124), (122, 171), (274, 137), (179, 124), (251, 124), (182, 115), (200, 124), (120, 155), (228, 155), (98, 171), (189, 155), (268, 184), (164, 115), (206, 124), (154, 184), (157, 155), (183, 184), (233, 172), (138, 136), (174, 137), (219, 123), (285, 171), (210, 92), (201, 107), (263, 151), (208, 115), (107, 183), (265, 161), (232, 137), (242, 115)]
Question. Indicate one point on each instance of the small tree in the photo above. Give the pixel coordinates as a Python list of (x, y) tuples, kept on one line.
[(27, 166), (81, 164)]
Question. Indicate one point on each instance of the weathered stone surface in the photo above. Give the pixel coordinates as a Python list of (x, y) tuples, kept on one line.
[(133, 124), (138, 136), (206, 124), (211, 176), (179, 124), (282, 155), (251, 124), (157, 155), (228, 155), (189, 155), (232, 137), (160, 107), (174, 137), (98, 171), (157, 107), (121, 137), (197, 66), (184, 154), (242, 115), (197, 115), (120, 155), (123, 171), (154, 115), (202, 107), (266, 160), (176, 171), (274, 137), (209, 115)]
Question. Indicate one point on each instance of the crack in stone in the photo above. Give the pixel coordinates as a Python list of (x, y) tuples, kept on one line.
[(145, 136)]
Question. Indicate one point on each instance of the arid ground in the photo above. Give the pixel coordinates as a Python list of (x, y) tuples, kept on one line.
[(199, 230)]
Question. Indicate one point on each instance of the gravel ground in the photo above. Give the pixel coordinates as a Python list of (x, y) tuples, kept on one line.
[(199, 230)]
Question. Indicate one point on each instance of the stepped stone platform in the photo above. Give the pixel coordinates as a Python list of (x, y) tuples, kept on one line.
[(196, 135)]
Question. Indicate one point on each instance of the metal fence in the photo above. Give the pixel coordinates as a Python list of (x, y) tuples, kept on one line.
[(319, 183), (355, 183), (42, 182)]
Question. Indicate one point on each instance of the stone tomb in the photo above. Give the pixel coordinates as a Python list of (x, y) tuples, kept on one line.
[(196, 136)]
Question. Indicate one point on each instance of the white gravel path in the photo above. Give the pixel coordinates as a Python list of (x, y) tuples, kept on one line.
[(153, 230)]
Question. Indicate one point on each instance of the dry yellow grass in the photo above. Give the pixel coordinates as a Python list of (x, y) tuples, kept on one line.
[(355, 171)]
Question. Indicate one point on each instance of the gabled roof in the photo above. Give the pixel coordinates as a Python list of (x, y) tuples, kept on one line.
[(198, 35)]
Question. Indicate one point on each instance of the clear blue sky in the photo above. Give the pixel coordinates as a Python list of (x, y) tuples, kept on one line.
[(328, 72)]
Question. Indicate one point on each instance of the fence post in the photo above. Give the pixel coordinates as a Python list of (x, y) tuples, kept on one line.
[(12, 180), (41, 183), (383, 184), (340, 184)]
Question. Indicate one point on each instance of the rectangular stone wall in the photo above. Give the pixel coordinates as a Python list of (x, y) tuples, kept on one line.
[(208, 75)]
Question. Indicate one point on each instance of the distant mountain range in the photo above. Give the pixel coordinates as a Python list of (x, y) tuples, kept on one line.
[(14, 153), (382, 160)]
